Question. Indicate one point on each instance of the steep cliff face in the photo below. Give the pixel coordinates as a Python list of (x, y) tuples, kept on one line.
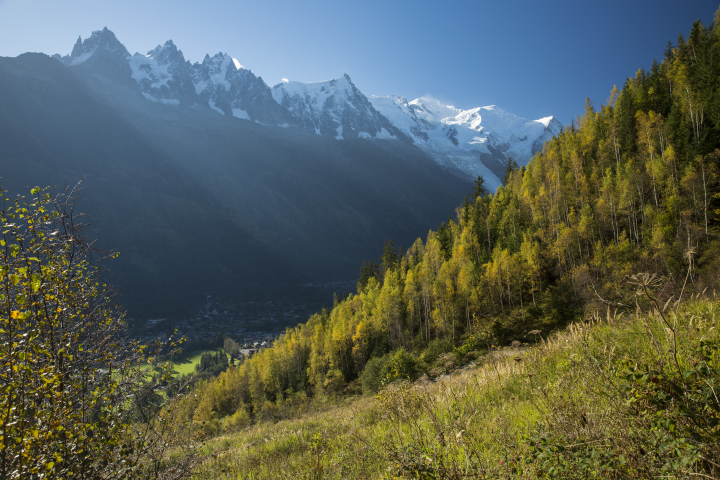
[(222, 83)]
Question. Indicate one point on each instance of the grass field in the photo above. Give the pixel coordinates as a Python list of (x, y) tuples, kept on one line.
[(186, 364)]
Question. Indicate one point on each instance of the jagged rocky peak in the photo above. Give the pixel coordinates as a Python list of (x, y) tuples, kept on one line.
[(101, 53), (399, 99), (167, 53), (213, 74), (163, 75), (335, 108), (226, 86), (220, 63), (101, 41)]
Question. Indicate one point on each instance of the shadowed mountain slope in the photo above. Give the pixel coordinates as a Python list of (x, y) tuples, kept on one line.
[(198, 202)]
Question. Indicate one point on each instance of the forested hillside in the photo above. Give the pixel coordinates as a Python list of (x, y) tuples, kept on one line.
[(629, 187)]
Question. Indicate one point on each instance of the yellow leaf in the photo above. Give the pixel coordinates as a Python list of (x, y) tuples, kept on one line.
[(18, 315)]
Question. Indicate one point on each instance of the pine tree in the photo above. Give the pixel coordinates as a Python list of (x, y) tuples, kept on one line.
[(509, 169), (479, 190)]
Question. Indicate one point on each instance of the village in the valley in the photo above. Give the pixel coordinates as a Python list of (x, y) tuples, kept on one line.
[(253, 324)]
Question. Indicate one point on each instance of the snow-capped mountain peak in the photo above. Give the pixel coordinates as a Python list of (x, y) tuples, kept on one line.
[(334, 108), (101, 43), (163, 75), (478, 141), (101, 53), (213, 71), (165, 54), (433, 107), (546, 121), (227, 87)]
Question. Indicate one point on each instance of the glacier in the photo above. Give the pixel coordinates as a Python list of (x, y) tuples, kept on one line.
[(478, 141)]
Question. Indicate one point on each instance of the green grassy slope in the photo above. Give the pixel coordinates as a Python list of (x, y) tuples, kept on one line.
[(606, 398)]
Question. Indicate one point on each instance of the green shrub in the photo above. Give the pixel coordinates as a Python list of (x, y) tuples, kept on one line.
[(402, 366), (434, 349), (240, 419), (472, 344), (372, 375), (445, 363)]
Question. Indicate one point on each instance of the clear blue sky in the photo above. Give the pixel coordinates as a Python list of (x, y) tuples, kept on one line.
[(529, 57)]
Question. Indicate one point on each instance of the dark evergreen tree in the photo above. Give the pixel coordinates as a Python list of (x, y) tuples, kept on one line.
[(509, 169), (368, 270), (479, 189), (445, 237), (391, 256)]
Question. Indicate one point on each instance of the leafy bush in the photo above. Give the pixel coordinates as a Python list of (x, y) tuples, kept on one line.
[(445, 363), (71, 387), (381, 371), (372, 375), (334, 381), (434, 349), (238, 420), (471, 344), (402, 366)]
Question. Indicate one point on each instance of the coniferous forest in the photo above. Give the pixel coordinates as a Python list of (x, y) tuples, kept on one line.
[(563, 326)]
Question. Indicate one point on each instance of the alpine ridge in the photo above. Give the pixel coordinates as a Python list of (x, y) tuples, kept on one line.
[(256, 188), (468, 143), (335, 108)]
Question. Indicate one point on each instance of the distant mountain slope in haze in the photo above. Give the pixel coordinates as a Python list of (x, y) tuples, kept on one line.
[(196, 201), (206, 179), (141, 203)]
